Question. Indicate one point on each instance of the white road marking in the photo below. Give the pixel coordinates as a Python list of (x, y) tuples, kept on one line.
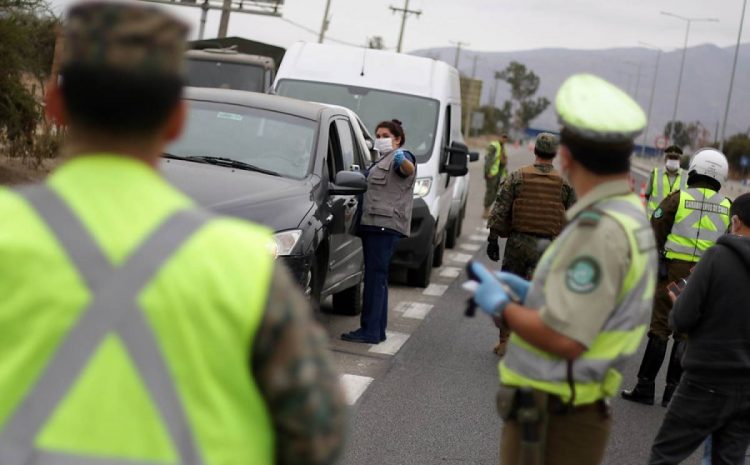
[(470, 247), (478, 238), (459, 257), (436, 290), (392, 344), (450, 272), (354, 386), (483, 230), (417, 310)]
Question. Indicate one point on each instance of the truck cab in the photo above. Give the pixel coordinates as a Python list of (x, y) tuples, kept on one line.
[(226, 68)]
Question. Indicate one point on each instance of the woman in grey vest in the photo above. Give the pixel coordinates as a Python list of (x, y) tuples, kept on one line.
[(386, 217)]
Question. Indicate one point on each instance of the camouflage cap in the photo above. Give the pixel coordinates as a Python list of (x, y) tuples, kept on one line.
[(128, 37), (546, 143)]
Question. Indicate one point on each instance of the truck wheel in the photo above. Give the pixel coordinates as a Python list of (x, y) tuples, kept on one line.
[(440, 251), (451, 232), (349, 301), (421, 276)]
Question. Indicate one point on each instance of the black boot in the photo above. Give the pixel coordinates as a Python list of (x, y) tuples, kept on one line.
[(643, 392), (674, 371)]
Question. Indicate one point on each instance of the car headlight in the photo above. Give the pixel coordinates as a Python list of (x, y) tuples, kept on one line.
[(422, 187), (284, 242)]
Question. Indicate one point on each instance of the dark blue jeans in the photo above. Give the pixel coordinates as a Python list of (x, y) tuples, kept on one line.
[(378, 248)]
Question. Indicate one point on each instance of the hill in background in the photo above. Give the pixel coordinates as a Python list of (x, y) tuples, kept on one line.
[(704, 84)]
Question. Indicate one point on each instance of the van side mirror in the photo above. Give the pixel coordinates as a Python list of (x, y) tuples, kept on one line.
[(457, 160), (473, 156), (348, 183)]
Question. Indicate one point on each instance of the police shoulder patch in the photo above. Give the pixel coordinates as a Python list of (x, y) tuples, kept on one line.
[(658, 213), (583, 275), (589, 218)]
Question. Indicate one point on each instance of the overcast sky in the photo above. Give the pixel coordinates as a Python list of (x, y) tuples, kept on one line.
[(489, 25)]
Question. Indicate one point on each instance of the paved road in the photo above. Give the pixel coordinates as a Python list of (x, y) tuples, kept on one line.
[(427, 395)]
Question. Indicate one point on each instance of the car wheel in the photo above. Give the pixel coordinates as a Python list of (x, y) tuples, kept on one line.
[(421, 276), (440, 251), (451, 232), (349, 301)]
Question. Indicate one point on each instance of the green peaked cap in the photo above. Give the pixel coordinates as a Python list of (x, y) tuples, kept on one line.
[(597, 110)]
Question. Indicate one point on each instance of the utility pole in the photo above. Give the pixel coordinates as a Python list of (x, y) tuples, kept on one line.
[(682, 65), (405, 12), (326, 21), (474, 67), (224, 21), (651, 97), (493, 93), (458, 45), (731, 79)]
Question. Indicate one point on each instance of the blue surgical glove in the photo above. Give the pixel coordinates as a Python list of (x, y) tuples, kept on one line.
[(489, 295), (519, 285), (398, 159)]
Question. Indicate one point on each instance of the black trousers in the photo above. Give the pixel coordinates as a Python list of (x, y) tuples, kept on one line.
[(698, 411)]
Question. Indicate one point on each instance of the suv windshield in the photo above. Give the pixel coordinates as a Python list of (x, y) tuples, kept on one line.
[(225, 75), (418, 114), (269, 140)]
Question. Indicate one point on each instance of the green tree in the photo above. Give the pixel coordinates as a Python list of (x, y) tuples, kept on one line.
[(735, 148), (27, 41), (496, 119), (376, 42), (524, 84)]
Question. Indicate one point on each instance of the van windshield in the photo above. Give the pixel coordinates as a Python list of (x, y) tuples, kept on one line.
[(419, 114), (224, 75)]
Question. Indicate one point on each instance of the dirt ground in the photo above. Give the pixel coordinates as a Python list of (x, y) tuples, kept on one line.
[(14, 171)]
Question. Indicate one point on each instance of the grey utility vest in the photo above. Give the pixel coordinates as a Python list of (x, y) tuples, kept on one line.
[(389, 197)]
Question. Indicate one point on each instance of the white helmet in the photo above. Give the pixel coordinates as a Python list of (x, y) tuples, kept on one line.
[(710, 162)]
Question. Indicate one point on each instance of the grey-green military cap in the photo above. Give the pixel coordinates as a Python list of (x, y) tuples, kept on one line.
[(596, 110), (546, 143), (130, 37)]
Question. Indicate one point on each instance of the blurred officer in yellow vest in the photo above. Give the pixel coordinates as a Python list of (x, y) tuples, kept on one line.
[(586, 309), (686, 224), (137, 328), (495, 168), (665, 180)]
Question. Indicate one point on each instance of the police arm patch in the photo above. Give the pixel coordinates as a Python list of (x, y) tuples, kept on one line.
[(583, 275), (658, 213)]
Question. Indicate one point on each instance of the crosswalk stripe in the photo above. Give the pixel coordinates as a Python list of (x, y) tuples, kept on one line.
[(417, 310), (354, 386), (436, 290), (459, 257), (391, 345), (450, 272), (470, 247), (478, 238)]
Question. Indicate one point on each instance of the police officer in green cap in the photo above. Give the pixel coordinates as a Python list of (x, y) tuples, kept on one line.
[(137, 328), (529, 212), (587, 307)]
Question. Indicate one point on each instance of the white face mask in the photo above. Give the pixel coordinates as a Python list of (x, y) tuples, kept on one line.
[(672, 165), (384, 144)]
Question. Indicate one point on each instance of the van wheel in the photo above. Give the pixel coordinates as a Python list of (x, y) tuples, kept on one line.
[(421, 276), (440, 251), (451, 233), (349, 301), (460, 228)]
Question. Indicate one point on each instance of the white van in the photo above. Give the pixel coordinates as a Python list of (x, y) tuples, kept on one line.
[(425, 95)]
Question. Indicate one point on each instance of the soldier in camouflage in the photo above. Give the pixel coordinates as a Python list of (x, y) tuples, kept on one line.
[(122, 75), (529, 212)]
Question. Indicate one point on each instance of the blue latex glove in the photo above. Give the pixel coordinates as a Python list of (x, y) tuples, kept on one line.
[(519, 285), (398, 159), (489, 295)]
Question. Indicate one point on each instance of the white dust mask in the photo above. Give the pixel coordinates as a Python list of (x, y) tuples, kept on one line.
[(384, 144), (672, 165)]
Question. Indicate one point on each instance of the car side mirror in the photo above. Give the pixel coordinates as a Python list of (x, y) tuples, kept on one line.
[(473, 156), (348, 183), (457, 160)]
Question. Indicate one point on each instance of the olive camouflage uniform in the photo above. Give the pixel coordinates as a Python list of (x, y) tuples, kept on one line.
[(290, 360)]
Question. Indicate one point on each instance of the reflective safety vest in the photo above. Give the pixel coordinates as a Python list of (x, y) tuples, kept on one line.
[(598, 372), (131, 379), (499, 156), (701, 219), (661, 187)]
